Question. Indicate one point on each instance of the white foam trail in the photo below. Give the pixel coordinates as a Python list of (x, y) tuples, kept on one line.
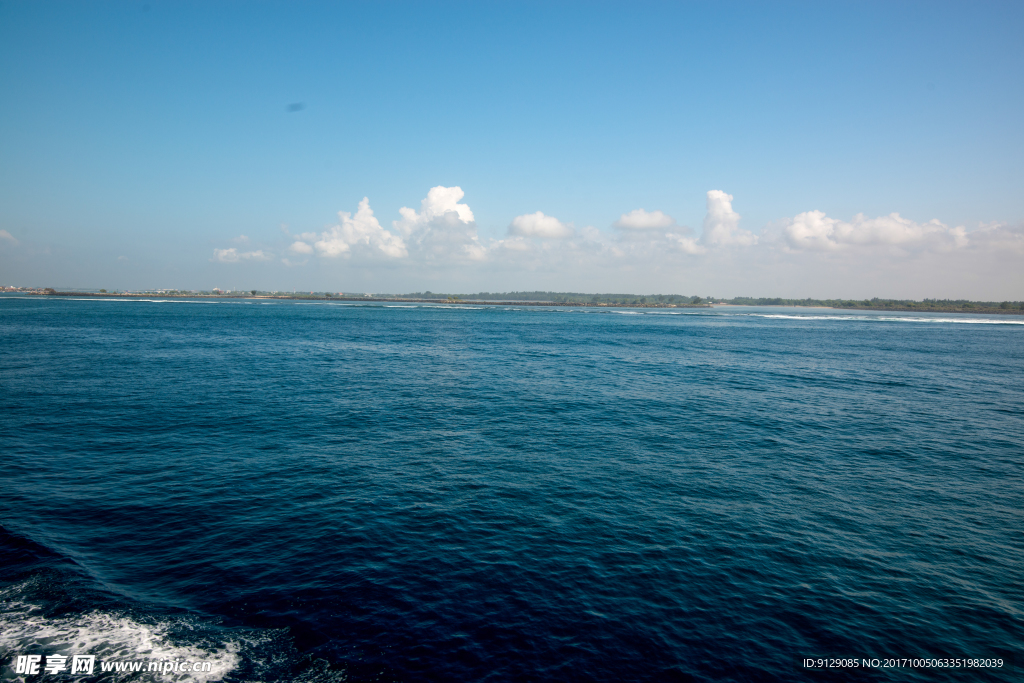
[(109, 637)]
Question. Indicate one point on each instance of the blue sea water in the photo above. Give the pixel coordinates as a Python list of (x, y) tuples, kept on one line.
[(300, 491)]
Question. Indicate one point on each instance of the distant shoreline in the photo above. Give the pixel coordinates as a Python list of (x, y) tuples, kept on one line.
[(366, 299), (986, 310)]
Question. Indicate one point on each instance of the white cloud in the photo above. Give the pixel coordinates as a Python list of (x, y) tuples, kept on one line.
[(514, 244), (685, 244), (539, 225), (809, 254), (362, 229), (439, 203), (443, 229), (241, 239), (721, 224), (8, 237), (638, 219), (304, 236), (814, 231), (1003, 239), (232, 255), (659, 229)]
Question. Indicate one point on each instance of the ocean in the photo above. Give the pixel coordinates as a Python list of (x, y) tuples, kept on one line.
[(323, 491)]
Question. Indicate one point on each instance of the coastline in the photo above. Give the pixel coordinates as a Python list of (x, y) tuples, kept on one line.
[(364, 299), (982, 310)]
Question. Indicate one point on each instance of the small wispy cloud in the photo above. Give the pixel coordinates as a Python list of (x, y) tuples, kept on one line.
[(540, 226), (639, 219), (232, 255), (8, 237)]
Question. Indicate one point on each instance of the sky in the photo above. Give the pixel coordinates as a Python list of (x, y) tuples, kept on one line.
[(717, 149)]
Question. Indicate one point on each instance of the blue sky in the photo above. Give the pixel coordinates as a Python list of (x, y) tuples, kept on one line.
[(141, 142)]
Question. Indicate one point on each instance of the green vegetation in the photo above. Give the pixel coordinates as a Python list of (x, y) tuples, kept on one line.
[(570, 298), (928, 305), (564, 298), (646, 300)]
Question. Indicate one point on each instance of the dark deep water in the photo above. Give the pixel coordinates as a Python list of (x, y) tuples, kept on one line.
[(316, 492)]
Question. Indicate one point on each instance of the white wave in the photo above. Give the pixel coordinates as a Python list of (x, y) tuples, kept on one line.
[(136, 300), (329, 303), (960, 321), (456, 307), (110, 637), (868, 317), (886, 318), (781, 316)]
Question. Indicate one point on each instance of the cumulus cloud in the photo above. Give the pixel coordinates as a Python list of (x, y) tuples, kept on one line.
[(438, 204), (443, 229), (721, 223), (539, 225), (439, 240), (814, 231), (232, 255), (639, 219), (8, 237), (361, 230)]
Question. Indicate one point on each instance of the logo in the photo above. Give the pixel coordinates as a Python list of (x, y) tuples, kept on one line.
[(31, 665)]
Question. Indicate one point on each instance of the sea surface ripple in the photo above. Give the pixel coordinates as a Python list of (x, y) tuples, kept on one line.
[(312, 491)]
